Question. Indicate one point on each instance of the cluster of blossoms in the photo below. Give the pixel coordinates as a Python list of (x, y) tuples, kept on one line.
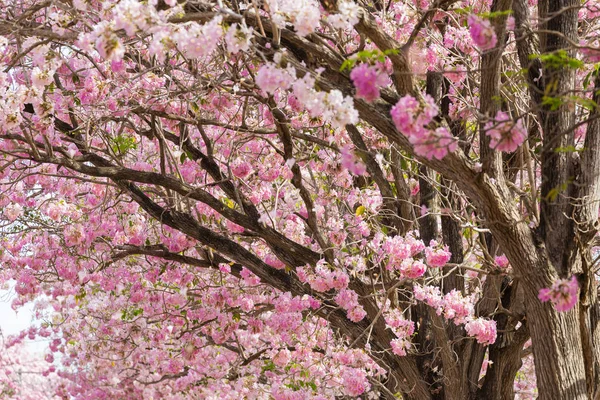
[(484, 330), (348, 300), (367, 79), (412, 119), (332, 106), (26, 374), (505, 134), (304, 14), (502, 262), (401, 254), (590, 51), (459, 309), (238, 38), (270, 78), (324, 279), (347, 17), (350, 162), (562, 293), (436, 255), (482, 32), (402, 328)]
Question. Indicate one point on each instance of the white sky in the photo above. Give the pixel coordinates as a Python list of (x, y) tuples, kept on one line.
[(12, 322)]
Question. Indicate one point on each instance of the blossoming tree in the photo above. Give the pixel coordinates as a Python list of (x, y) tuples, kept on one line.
[(305, 199), (26, 375)]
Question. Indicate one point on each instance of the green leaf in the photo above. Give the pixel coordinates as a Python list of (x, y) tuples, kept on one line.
[(495, 14), (347, 64), (553, 103), (269, 366), (123, 143), (559, 59), (566, 149)]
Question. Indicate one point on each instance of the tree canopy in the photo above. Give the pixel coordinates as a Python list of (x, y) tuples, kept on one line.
[(303, 199)]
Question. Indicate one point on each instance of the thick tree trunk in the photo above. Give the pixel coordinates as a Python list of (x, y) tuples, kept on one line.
[(557, 344)]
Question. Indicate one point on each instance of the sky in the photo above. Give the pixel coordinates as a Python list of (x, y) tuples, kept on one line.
[(12, 322)]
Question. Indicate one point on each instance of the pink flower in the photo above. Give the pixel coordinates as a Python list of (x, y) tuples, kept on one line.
[(484, 330), (510, 23), (457, 307), (398, 324), (356, 314), (241, 170), (414, 186), (404, 114), (590, 51), (355, 382), (306, 20), (505, 135), (436, 257), (412, 269), (501, 261), (412, 119), (238, 38), (399, 346), (563, 294), (431, 295), (349, 161), (482, 32), (13, 211), (367, 79), (347, 299), (434, 144), (270, 78)]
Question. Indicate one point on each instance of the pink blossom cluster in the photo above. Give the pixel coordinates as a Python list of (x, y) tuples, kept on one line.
[(333, 106), (562, 293), (501, 262), (355, 382), (590, 51), (348, 300), (402, 252), (107, 43), (305, 15), (412, 119), (270, 78), (241, 169), (367, 79), (430, 295), (347, 17), (459, 309), (482, 32), (402, 328), (238, 38), (436, 255), (505, 134), (323, 278), (350, 162), (198, 40), (132, 16), (13, 211), (456, 307), (412, 269), (484, 330), (398, 248)]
